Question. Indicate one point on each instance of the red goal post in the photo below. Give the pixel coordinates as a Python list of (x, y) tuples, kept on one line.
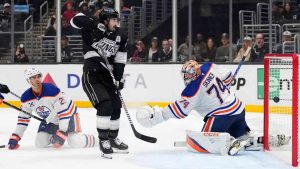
[(280, 104)]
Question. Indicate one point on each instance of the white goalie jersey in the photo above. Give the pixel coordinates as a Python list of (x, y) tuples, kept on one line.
[(209, 95)]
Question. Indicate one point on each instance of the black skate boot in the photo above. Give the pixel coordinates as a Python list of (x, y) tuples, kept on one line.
[(105, 148), (118, 146)]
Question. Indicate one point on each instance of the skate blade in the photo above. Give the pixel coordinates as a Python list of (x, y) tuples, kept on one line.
[(107, 156), (237, 147), (253, 149), (120, 151)]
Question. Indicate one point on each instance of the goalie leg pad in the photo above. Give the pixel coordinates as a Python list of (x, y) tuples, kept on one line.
[(208, 142)]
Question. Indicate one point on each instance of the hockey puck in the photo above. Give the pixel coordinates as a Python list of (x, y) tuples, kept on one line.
[(276, 99)]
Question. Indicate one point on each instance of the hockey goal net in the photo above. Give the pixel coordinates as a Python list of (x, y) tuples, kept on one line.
[(281, 102)]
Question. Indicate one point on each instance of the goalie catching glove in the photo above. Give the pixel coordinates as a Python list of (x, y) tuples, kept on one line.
[(149, 116)]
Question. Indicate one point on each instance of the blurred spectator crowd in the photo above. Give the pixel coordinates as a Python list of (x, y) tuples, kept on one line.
[(205, 50), (156, 49)]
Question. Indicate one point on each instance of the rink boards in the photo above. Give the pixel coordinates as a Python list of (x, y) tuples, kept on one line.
[(145, 83)]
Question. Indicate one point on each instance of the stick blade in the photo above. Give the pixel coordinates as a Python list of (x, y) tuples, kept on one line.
[(179, 144), (144, 137), (148, 138)]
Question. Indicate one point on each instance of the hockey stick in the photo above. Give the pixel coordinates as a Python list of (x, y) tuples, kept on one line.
[(240, 64), (136, 133), (14, 94), (16, 108)]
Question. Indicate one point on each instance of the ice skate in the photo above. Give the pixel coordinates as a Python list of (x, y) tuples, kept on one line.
[(118, 146), (105, 148)]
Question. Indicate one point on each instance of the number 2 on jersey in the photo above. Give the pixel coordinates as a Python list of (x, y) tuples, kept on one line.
[(219, 87)]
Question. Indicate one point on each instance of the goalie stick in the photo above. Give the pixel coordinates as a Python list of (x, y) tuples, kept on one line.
[(136, 133), (240, 64)]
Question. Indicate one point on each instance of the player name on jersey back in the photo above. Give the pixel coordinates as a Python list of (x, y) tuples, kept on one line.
[(209, 78)]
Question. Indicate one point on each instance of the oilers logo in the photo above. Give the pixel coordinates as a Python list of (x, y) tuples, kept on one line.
[(43, 111), (106, 47)]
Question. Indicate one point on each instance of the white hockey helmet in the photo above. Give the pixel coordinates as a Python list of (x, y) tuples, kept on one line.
[(190, 71), (29, 72)]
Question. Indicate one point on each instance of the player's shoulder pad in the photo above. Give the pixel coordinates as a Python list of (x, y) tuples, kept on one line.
[(49, 90), (80, 14), (192, 88), (27, 95), (78, 19)]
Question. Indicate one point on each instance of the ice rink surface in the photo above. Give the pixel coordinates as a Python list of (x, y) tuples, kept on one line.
[(143, 155)]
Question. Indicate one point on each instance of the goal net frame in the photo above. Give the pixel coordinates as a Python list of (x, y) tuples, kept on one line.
[(295, 102)]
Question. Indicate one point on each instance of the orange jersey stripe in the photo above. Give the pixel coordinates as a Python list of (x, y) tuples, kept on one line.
[(228, 109), (176, 111), (68, 113), (23, 120), (208, 124), (228, 80), (77, 123)]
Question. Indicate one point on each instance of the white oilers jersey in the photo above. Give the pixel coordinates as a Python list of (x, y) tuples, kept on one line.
[(52, 105), (209, 95)]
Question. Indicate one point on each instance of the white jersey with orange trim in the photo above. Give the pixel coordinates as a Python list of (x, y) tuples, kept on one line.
[(52, 105), (209, 95)]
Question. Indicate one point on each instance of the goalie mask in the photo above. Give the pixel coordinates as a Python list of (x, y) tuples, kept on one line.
[(190, 71)]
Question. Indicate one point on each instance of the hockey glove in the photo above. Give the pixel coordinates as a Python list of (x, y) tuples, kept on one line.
[(149, 116), (4, 89), (48, 128), (13, 142), (58, 139)]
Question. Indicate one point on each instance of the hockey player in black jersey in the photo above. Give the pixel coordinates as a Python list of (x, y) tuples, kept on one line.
[(103, 38)]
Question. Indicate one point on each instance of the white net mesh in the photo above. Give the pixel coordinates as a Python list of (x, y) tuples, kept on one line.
[(280, 95), (280, 103)]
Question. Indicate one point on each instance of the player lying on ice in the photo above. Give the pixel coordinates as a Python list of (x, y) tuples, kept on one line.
[(56, 108), (208, 92)]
